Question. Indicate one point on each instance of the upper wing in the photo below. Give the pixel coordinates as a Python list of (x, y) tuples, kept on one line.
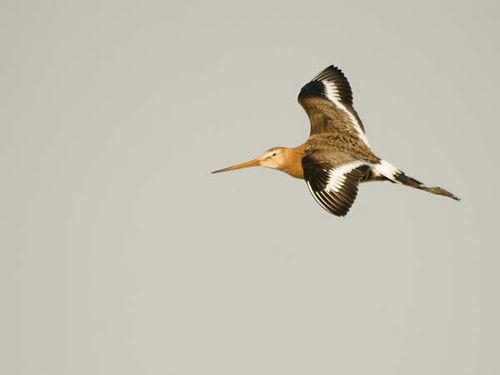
[(327, 100), (334, 182)]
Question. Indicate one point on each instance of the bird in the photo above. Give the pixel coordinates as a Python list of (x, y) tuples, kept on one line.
[(336, 157)]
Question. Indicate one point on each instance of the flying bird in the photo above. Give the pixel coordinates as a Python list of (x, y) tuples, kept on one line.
[(337, 157)]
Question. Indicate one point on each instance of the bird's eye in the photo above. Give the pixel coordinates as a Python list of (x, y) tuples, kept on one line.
[(274, 154)]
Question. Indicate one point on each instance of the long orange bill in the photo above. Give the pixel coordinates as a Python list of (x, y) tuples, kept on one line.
[(247, 164)]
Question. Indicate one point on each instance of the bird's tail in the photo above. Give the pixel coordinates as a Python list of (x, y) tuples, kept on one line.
[(395, 175)]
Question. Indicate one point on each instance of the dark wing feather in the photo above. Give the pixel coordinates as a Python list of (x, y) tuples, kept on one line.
[(343, 90), (327, 100), (334, 183)]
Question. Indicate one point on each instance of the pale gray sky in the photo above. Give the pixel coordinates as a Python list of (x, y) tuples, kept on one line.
[(121, 254)]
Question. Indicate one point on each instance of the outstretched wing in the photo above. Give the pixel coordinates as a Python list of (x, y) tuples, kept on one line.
[(327, 100), (334, 182)]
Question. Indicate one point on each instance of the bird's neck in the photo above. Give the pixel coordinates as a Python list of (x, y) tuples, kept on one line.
[(293, 162)]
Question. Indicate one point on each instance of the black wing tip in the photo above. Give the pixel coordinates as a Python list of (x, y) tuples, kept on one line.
[(340, 213), (333, 74), (330, 72), (339, 209), (313, 88), (332, 68)]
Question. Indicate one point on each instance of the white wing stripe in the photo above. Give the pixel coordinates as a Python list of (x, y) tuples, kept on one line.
[(332, 94), (337, 176)]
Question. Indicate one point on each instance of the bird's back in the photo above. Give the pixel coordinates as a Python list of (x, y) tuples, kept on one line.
[(334, 143)]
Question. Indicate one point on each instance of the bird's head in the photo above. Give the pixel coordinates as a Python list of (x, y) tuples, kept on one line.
[(272, 158)]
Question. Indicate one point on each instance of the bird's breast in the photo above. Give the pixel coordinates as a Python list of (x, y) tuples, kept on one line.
[(293, 162), (295, 170)]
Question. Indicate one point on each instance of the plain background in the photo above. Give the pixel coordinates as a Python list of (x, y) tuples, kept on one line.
[(121, 254)]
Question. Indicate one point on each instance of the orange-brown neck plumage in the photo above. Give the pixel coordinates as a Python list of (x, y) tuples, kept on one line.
[(292, 162)]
